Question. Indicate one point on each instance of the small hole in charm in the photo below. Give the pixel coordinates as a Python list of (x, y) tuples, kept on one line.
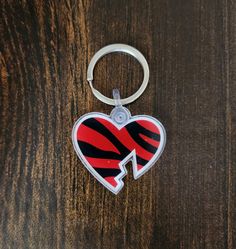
[(119, 114)]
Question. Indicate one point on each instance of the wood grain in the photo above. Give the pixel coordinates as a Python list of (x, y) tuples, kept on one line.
[(47, 198)]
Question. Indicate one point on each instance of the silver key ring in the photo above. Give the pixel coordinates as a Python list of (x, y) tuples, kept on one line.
[(118, 48)]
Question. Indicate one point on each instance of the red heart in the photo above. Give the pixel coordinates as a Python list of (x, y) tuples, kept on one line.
[(104, 147)]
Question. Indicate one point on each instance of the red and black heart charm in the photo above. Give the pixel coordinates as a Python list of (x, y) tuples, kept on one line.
[(105, 147)]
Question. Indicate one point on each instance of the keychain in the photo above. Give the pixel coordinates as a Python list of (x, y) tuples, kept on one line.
[(106, 143)]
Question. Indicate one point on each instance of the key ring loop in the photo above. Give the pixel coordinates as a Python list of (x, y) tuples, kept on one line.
[(125, 49)]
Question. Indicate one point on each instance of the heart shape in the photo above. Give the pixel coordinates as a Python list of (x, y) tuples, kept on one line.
[(105, 147)]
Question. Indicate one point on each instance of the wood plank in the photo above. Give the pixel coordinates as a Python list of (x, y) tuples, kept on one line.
[(47, 198)]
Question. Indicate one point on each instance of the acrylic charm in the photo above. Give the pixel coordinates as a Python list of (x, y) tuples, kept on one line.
[(106, 143)]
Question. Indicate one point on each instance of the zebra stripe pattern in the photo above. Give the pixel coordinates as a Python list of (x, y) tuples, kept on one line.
[(104, 145)]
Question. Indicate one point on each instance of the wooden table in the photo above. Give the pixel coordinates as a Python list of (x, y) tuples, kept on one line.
[(47, 198)]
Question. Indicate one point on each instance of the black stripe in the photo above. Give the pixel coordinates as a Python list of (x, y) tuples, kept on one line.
[(107, 172), (92, 151), (97, 126), (141, 161), (135, 129), (140, 129)]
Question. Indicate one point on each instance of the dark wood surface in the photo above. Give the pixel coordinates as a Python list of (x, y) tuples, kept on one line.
[(47, 198)]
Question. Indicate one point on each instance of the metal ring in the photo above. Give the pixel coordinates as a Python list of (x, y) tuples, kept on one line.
[(118, 48)]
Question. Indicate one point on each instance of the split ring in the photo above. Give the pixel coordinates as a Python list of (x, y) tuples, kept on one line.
[(125, 49)]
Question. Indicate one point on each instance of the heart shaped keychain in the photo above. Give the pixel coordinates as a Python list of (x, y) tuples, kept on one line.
[(106, 143)]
